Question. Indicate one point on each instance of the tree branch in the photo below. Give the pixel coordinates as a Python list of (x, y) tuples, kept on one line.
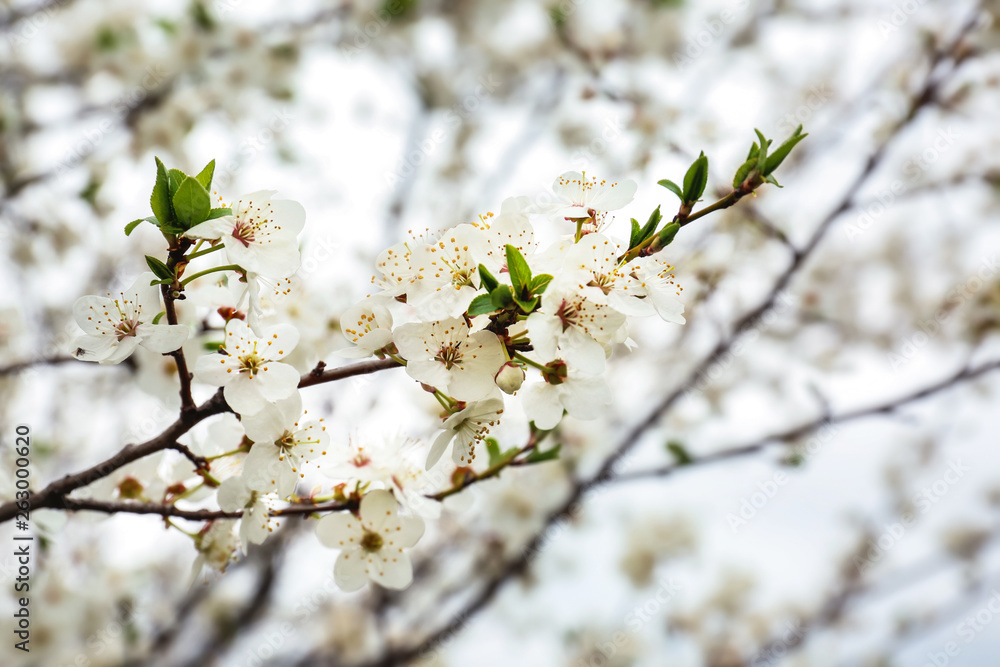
[(54, 495)]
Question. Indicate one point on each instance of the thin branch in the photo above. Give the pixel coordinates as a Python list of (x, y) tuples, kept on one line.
[(165, 510), (54, 495), (18, 366), (802, 430)]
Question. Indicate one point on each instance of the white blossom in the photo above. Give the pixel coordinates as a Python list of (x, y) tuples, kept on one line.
[(368, 327), (466, 428), (371, 544), (580, 197), (234, 496), (283, 444), (249, 369), (582, 396), (444, 355), (260, 235), (114, 327)]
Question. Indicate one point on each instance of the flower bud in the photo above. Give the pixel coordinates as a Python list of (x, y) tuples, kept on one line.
[(509, 377)]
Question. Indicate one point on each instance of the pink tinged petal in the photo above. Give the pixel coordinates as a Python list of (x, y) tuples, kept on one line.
[(349, 571), (216, 228), (162, 338), (121, 351), (377, 508), (216, 369), (429, 372), (277, 380), (279, 341), (338, 530), (437, 449), (542, 405), (391, 570)]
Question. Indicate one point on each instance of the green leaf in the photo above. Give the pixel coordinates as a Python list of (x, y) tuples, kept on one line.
[(159, 315), (135, 223), (489, 282), (696, 179), (673, 187), (520, 272), (539, 283), (159, 269), (174, 179), (218, 213), (537, 456), (212, 345), (498, 457), (633, 239), (165, 281), (501, 297), (667, 234), (481, 305), (205, 175), (681, 456), (527, 306), (650, 226), (192, 203), (743, 172), (159, 201), (778, 156), (762, 155)]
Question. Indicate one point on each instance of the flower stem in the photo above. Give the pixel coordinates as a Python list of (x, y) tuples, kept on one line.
[(227, 267), (198, 253), (535, 364)]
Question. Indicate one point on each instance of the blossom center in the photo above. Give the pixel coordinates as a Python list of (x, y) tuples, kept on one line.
[(126, 328), (449, 355), (244, 233), (371, 542)]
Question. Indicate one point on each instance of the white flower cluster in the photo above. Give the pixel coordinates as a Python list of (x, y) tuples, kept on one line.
[(469, 324), (479, 312)]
